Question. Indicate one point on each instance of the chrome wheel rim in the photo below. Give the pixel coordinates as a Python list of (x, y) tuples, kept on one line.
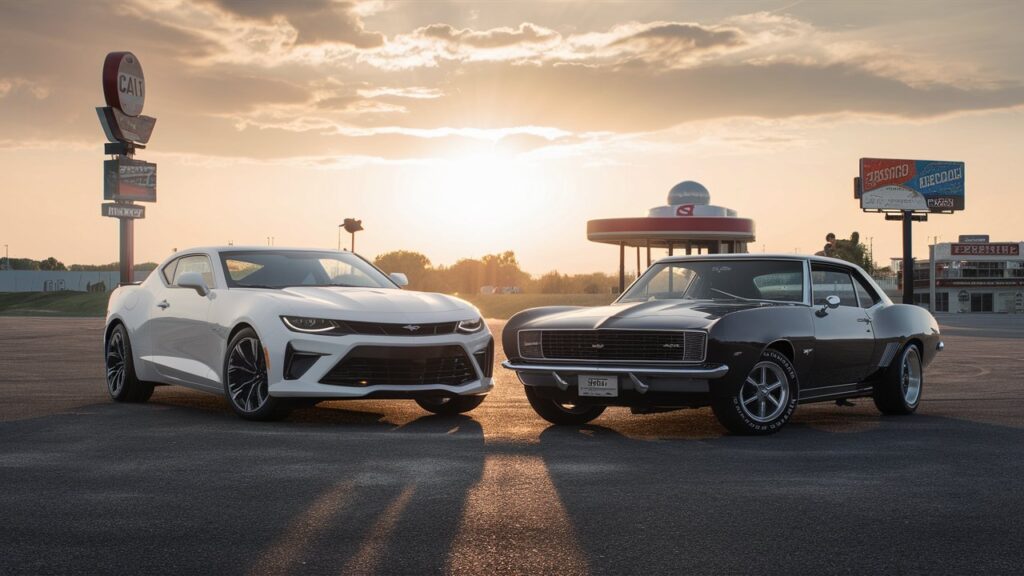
[(115, 364), (247, 375), (765, 392), (910, 376)]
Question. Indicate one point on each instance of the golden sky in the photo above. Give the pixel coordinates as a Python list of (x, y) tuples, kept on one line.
[(463, 128)]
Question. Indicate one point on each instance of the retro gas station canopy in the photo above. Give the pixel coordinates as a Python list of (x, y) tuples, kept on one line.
[(688, 222)]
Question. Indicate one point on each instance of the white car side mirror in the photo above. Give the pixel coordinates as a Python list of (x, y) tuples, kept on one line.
[(399, 278), (194, 280)]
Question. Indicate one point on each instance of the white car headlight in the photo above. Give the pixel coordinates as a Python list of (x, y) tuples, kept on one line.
[(470, 326), (309, 325)]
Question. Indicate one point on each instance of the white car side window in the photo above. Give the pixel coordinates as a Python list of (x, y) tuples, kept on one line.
[(199, 264)]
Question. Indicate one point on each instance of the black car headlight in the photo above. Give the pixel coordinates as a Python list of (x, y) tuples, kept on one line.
[(529, 344), (309, 325), (470, 326)]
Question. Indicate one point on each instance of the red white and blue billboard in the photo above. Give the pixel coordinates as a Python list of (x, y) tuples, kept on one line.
[(911, 185)]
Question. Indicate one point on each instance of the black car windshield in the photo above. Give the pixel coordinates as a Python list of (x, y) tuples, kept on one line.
[(287, 268), (754, 280)]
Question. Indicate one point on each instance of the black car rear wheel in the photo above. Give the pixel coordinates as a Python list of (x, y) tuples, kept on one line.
[(122, 383), (763, 402), (899, 392), (561, 413), (450, 405)]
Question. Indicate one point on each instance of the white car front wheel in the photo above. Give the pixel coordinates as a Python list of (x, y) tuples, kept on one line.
[(245, 379)]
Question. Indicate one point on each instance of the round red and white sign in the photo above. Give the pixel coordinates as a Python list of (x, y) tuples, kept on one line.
[(124, 86)]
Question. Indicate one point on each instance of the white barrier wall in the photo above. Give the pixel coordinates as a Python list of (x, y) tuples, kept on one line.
[(40, 281)]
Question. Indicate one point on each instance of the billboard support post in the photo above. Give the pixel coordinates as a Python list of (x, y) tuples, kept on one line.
[(931, 279), (908, 259)]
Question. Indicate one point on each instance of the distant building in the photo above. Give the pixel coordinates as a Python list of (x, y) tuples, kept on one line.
[(970, 277)]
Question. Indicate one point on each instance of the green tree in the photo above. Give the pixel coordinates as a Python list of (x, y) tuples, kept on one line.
[(413, 264), (853, 251), (52, 263)]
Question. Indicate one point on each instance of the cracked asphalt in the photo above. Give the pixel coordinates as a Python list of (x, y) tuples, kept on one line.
[(181, 486)]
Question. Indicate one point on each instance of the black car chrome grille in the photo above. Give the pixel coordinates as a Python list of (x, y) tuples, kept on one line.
[(383, 329), (624, 345), (421, 365)]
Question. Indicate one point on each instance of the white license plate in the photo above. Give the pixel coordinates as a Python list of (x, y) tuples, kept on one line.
[(603, 386)]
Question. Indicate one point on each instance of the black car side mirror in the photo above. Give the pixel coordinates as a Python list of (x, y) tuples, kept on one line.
[(831, 303)]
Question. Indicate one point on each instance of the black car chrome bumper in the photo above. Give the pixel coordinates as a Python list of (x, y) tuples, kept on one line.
[(697, 372), (639, 378)]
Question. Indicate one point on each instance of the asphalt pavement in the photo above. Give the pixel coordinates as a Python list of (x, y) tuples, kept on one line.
[(180, 485)]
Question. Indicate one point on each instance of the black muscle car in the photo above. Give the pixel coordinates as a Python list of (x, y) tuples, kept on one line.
[(751, 336)]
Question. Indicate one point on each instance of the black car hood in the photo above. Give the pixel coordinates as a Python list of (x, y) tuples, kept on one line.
[(648, 315)]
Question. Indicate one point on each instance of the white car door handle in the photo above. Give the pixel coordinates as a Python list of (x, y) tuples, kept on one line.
[(163, 305)]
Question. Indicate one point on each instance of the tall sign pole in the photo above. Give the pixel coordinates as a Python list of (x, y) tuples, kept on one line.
[(125, 179), (908, 191)]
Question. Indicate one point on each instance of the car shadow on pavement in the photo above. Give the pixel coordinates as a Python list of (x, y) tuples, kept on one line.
[(146, 489), (809, 499)]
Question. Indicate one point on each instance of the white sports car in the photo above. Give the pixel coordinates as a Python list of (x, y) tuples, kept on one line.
[(270, 328)]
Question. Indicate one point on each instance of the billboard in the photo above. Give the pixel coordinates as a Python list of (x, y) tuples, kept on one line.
[(128, 179), (911, 185)]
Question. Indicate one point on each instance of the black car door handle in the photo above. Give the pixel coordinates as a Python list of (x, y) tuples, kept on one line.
[(163, 305), (868, 320)]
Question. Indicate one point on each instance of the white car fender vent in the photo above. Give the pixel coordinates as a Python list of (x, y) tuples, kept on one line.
[(485, 359), (296, 364)]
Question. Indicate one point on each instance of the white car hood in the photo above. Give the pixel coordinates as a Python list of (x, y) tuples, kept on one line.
[(351, 303)]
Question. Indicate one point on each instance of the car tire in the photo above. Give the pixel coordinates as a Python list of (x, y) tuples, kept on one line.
[(246, 381), (450, 405), (122, 383), (763, 401), (558, 413), (899, 391)]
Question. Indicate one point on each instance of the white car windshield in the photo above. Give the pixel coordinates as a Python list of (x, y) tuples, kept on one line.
[(740, 280), (288, 268)]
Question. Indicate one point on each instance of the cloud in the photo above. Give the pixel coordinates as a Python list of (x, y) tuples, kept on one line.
[(526, 33), (233, 78), (314, 21)]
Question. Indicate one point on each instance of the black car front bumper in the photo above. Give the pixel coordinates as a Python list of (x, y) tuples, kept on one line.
[(640, 380)]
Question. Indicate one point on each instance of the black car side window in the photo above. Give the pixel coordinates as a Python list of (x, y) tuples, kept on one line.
[(827, 282), (867, 296)]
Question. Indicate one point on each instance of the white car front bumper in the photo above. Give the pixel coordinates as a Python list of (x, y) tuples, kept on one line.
[(362, 377)]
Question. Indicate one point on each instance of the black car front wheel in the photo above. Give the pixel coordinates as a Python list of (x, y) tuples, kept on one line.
[(450, 405), (122, 383), (899, 392), (763, 402), (561, 413), (246, 382)]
